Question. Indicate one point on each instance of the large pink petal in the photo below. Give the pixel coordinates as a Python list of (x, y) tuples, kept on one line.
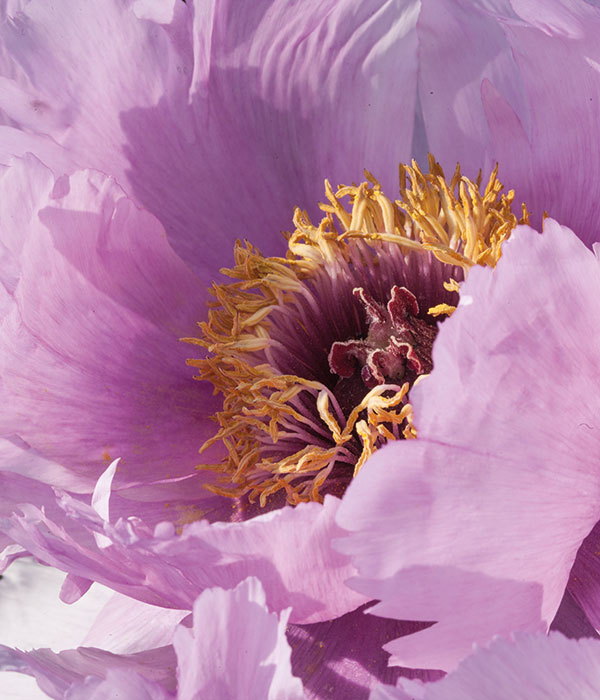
[(511, 98), (95, 304), (531, 667), (476, 524), (235, 649), (218, 118), (528, 667)]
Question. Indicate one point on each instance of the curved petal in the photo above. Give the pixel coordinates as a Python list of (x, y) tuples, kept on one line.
[(289, 550), (95, 304), (511, 96), (238, 114), (476, 524), (65, 672), (527, 667), (236, 648)]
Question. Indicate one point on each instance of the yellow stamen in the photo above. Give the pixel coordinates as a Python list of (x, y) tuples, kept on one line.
[(264, 410)]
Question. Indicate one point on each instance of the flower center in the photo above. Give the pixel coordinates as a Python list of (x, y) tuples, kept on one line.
[(315, 353), (398, 343)]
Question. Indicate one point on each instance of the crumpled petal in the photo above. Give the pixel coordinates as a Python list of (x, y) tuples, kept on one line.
[(289, 550), (57, 674), (528, 667), (96, 304), (207, 135), (235, 649), (476, 524)]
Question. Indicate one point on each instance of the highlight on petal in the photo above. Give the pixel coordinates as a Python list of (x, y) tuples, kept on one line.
[(526, 667), (235, 649), (476, 524)]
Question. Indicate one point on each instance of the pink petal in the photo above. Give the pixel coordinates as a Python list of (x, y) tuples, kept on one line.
[(511, 98), (207, 136), (119, 684), (125, 626), (92, 364), (235, 649), (56, 674), (476, 524), (289, 550), (531, 667)]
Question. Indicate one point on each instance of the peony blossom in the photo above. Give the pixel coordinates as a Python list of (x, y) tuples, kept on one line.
[(130, 174)]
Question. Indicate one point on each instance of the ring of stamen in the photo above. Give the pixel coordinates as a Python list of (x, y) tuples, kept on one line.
[(282, 424)]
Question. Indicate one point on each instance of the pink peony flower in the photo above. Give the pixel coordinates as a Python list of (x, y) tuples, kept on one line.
[(201, 124)]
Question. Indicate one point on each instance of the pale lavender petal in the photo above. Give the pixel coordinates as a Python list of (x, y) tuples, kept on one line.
[(289, 550), (118, 684), (476, 524), (236, 648), (57, 673), (531, 667), (91, 358), (511, 98), (451, 78), (126, 626), (207, 135)]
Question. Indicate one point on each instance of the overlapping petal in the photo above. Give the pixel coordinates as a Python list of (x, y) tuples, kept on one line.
[(511, 98), (498, 492), (95, 303), (218, 119), (527, 667), (235, 648), (289, 550)]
